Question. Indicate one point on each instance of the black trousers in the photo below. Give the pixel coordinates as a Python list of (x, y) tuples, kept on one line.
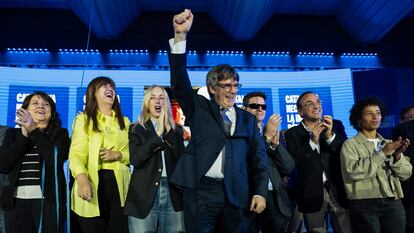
[(25, 217), (112, 218), (377, 215), (409, 216), (271, 220), (207, 210)]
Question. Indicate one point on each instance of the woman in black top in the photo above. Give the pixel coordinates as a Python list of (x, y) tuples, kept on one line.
[(155, 144), (30, 153)]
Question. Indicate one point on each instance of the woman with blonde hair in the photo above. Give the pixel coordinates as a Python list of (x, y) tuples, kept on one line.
[(98, 158), (155, 144)]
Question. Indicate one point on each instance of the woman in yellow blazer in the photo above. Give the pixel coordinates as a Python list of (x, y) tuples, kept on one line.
[(98, 159)]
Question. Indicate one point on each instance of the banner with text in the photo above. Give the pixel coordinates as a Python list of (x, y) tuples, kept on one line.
[(17, 94)]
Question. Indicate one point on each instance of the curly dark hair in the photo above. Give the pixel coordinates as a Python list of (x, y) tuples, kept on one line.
[(356, 110), (54, 121)]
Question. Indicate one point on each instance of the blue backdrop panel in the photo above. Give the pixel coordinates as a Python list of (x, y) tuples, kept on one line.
[(69, 87), (17, 94)]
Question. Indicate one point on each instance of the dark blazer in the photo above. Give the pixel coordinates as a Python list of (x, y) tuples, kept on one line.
[(280, 165), (15, 146), (245, 172), (145, 148), (406, 130), (311, 164)]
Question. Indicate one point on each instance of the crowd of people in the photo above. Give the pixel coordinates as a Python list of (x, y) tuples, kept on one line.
[(225, 171)]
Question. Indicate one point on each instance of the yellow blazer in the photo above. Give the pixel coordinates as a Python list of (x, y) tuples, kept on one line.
[(84, 158)]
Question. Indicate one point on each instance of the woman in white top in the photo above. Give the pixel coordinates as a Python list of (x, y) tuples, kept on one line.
[(372, 168)]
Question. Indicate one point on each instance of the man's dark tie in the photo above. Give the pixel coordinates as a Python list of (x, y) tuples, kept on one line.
[(261, 130), (226, 121)]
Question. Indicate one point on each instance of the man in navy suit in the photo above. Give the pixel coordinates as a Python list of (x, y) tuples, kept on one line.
[(224, 167), (315, 145)]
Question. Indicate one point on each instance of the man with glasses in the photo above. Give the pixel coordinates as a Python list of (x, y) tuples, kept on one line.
[(276, 216), (315, 145), (223, 169)]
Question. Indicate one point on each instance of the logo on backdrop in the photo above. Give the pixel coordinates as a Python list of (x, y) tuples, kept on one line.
[(287, 103), (17, 94), (124, 95), (269, 100)]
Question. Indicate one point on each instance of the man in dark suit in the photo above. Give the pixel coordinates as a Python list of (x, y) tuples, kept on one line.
[(406, 130), (276, 216), (315, 145), (225, 164)]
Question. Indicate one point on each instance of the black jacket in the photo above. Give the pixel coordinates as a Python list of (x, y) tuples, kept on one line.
[(145, 155), (15, 146), (281, 164), (406, 130), (311, 164)]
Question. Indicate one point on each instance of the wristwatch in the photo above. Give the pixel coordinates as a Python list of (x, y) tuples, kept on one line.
[(272, 146)]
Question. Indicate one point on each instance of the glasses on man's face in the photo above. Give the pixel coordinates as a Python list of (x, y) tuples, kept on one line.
[(312, 104), (257, 106), (228, 86)]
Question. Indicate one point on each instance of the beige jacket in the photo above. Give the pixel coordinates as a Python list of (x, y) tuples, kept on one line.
[(365, 172)]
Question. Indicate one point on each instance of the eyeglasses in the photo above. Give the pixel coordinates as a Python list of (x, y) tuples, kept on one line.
[(228, 86), (312, 104), (257, 106)]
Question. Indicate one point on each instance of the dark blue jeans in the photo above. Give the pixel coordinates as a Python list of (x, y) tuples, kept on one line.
[(378, 215)]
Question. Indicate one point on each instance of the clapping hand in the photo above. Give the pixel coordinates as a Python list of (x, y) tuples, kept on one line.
[(328, 123), (25, 120), (396, 147), (316, 132), (272, 129)]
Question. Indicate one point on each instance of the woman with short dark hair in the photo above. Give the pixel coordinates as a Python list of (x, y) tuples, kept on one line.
[(34, 200), (372, 168)]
